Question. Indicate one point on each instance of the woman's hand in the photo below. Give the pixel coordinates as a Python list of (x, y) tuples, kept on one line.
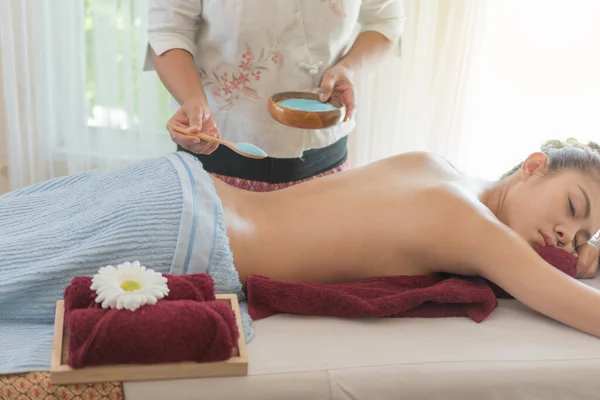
[(196, 116), (337, 83), (587, 260)]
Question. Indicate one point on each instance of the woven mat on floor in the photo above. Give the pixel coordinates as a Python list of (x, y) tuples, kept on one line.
[(36, 385)]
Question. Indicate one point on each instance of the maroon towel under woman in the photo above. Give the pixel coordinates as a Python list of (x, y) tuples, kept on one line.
[(426, 296), (187, 325)]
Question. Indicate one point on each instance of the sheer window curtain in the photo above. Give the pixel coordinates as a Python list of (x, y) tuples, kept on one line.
[(416, 102), (73, 94), (537, 78), (484, 83)]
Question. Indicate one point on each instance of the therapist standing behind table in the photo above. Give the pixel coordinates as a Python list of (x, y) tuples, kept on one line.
[(222, 59)]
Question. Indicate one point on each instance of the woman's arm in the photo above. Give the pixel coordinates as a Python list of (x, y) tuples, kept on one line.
[(506, 259), (369, 49), (381, 27), (587, 259), (172, 30), (178, 73)]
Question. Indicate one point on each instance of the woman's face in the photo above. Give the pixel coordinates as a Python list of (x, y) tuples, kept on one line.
[(559, 209)]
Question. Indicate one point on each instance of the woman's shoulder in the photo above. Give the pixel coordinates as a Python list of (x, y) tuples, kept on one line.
[(431, 167), (436, 179), (417, 158), (455, 229)]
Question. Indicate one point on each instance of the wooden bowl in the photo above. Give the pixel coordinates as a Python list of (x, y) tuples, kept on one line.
[(301, 118)]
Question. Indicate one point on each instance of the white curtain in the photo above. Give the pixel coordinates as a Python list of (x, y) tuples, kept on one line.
[(417, 102), (73, 94), (537, 78), (484, 83)]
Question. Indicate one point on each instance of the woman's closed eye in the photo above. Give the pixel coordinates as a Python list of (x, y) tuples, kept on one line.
[(572, 208), (573, 211)]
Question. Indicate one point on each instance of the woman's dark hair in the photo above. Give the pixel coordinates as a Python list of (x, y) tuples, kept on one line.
[(570, 154)]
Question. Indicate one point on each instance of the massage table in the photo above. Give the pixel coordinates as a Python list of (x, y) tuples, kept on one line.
[(514, 354)]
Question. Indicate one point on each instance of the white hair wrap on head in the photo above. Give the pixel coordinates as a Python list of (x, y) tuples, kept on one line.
[(559, 144)]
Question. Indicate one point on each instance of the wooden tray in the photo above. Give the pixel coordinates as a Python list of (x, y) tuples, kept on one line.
[(62, 374)]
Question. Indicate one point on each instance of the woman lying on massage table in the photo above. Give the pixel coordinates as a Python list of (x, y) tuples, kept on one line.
[(410, 214)]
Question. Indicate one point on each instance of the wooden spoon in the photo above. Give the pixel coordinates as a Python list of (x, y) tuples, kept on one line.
[(243, 149)]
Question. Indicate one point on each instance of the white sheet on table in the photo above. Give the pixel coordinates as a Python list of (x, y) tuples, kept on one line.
[(515, 353)]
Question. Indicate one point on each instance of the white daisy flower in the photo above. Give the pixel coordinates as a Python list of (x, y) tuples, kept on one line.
[(128, 286)]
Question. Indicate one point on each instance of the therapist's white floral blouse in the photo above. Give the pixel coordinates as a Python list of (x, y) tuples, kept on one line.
[(247, 50)]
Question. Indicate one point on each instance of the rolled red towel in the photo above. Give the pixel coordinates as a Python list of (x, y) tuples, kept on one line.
[(169, 331), (196, 287), (561, 259), (79, 295)]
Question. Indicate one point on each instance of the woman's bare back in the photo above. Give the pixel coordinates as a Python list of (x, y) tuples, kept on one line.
[(388, 218)]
